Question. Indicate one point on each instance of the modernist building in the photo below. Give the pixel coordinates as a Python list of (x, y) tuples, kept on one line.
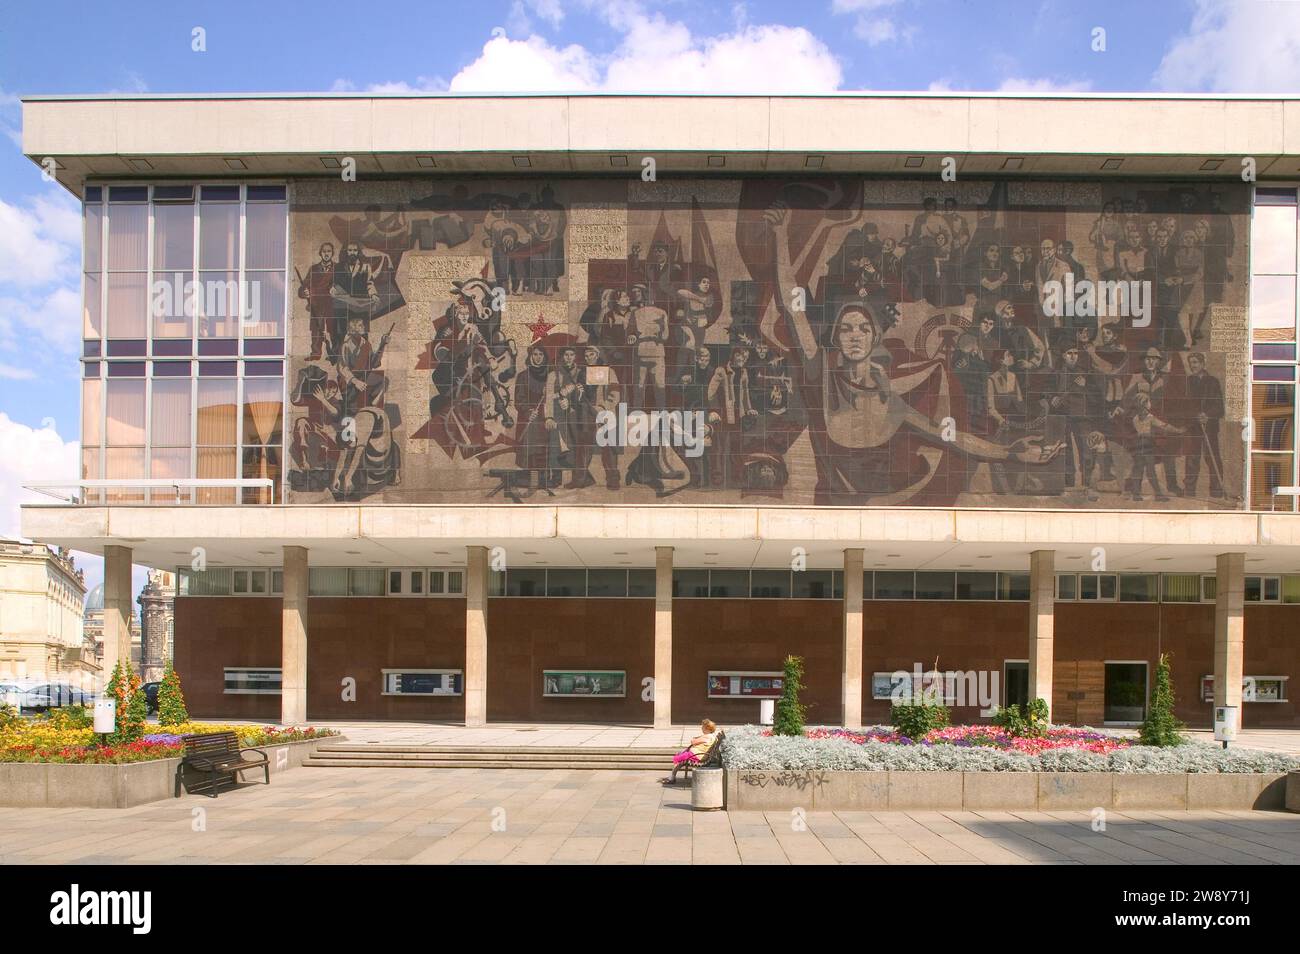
[(596, 407), (41, 636)]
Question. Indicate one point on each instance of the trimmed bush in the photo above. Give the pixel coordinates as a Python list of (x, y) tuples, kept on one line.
[(1161, 727), (789, 715), (171, 701)]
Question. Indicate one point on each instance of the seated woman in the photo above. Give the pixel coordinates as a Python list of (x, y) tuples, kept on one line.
[(695, 750)]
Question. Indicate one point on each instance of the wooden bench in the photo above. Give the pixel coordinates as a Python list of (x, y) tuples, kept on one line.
[(712, 758), (217, 754)]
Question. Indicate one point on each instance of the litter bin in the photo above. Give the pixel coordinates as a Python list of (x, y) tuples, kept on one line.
[(706, 789), (766, 711)]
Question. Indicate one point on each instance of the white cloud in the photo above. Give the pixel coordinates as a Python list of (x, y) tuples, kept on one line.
[(28, 454), (39, 243), (10, 373), (1235, 48), (40, 298), (1013, 84), (658, 55), (874, 22), (530, 65)]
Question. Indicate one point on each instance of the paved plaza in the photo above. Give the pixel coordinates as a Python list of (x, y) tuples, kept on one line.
[(511, 816)]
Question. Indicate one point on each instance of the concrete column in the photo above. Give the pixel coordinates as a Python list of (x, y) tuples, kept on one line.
[(476, 630), (852, 685), (293, 638), (1042, 623), (1229, 629), (117, 607), (663, 637)]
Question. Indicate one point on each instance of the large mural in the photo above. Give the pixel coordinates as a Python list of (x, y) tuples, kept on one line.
[(821, 341)]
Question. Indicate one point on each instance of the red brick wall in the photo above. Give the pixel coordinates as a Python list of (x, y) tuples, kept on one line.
[(526, 636), (755, 635), (360, 636)]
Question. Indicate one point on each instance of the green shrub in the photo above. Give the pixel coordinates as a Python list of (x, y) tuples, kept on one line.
[(789, 715), (171, 701), (70, 717), (1161, 727), (9, 715), (916, 719), (1029, 721)]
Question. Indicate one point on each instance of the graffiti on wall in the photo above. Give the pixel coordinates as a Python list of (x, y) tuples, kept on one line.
[(833, 342)]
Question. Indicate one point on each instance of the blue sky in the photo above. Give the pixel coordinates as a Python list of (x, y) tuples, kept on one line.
[(523, 45)]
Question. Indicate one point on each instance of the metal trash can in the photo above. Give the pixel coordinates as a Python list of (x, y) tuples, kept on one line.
[(707, 790), (766, 711)]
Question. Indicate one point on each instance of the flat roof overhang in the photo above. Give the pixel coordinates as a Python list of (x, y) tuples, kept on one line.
[(736, 536), (288, 135)]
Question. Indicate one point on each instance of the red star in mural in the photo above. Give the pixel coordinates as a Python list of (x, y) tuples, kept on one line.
[(540, 328)]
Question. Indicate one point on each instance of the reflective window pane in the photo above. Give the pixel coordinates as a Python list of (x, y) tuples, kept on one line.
[(1273, 240)]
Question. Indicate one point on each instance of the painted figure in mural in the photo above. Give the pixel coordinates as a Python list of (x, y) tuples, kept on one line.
[(731, 415), (355, 296), (369, 459), (532, 443), (1152, 384), (1006, 409), (601, 391), (1206, 395), (647, 335), (855, 410), (315, 289), (315, 436), (571, 422), (1148, 430)]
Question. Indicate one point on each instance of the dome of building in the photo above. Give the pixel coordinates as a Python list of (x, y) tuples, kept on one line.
[(95, 599)]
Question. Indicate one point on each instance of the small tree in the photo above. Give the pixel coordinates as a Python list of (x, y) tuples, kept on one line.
[(129, 709), (788, 719), (1161, 726), (171, 701)]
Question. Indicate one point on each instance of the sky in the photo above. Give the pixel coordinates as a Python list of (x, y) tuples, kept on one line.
[(527, 46)]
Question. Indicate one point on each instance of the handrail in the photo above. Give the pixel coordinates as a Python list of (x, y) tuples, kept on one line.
[(148, 483)]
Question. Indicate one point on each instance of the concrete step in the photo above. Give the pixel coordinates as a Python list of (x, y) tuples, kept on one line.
[(435, 763), (492, 757), (500, 750)]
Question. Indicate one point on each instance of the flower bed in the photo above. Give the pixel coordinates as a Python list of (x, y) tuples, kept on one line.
[(38, 741), (985, 749)]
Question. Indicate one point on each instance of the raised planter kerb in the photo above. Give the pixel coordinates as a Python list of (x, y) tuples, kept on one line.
[(62, 785), (820, 790)]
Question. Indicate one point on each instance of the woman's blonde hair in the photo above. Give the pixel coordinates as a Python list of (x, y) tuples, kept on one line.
[(708, 725)]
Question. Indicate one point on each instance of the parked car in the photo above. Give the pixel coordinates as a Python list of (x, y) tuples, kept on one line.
[(151, 696), (52, 695), (11, 694)]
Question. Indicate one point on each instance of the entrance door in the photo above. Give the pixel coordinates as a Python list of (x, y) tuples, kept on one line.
[(1126, 691), (1015, 680), (1077, 691)]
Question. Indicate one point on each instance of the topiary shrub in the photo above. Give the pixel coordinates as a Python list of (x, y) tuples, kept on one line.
[(916, 719), (171, 701), (1161, 727), (130, 706), (788, 718)]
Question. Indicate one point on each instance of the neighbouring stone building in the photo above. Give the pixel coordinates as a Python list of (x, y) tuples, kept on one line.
[(41, 634)]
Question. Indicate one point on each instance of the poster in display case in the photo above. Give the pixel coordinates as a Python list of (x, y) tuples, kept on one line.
[(423, 682), (733, 684), (566, 684)]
